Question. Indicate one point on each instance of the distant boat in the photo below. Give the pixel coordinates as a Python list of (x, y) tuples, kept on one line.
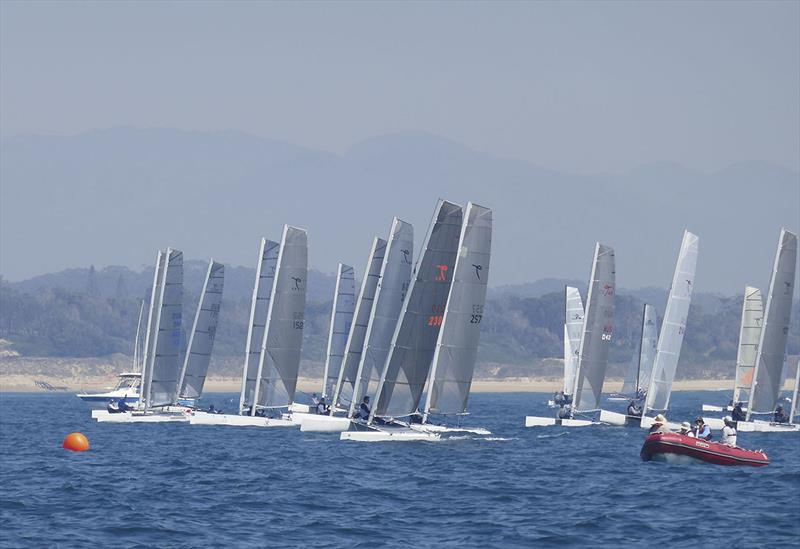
[(640, 368), (129, 384)]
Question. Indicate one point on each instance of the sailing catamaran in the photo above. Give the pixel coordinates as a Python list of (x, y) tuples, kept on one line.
[(383, 312), (272, 354), (201, 339), (597, 330), (128, 387), (162, 347), (640, 369), (415, 337), (573, 328), (749, 334), (767, 373)]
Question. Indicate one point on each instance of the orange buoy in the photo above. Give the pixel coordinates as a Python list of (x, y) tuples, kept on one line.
[(77, 442)]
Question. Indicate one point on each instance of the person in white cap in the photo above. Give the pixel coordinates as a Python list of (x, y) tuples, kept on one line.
[(728, 432), (686, 430)]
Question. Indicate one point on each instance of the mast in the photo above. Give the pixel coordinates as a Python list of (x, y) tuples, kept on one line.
[(344, 302), (201, 339), (453, 367), (598, 327), (641, 348), (772, 343), (749, 335), (393, 281), (414, 341), (150, 336), (673, 326)]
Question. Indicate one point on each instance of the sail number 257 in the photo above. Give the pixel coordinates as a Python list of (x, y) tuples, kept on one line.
[(477, 314)]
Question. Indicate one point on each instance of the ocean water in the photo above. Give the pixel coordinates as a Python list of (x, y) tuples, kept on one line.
[(176, 485)]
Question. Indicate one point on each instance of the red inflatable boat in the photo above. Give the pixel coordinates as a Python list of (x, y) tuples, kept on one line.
[(673, 447)]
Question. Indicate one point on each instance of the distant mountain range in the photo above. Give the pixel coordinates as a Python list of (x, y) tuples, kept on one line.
[(112, 197)]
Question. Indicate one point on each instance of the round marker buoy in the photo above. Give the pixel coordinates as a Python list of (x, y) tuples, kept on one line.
[(77, 442)]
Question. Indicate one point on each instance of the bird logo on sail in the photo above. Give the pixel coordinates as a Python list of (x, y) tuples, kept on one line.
[(405, 256), (297, 281), (478, 269)]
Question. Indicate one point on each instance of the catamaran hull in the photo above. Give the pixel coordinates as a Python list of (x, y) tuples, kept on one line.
[(444, 430), (103, 416), (389, 435), (673, 447), (312, 423), (619, 420), (712, 408), (203, 418), (536, 421), (766, 427)]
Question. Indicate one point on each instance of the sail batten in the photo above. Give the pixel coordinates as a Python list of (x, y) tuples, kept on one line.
[(598, 328), (414, 341), (204, 329), (674, 325), (342, 310), (766, 386), (457, 346)]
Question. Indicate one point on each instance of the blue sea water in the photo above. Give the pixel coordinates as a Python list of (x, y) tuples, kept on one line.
[(176, 485)]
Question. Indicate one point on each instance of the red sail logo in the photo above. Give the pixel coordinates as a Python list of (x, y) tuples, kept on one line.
[(442, 277)]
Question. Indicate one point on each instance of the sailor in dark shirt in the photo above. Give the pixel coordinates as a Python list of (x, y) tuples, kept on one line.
[(780, 415), (363, 409), (738, 413), (633, 410)]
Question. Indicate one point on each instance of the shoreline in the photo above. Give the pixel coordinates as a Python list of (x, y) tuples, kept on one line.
[(27, 384)]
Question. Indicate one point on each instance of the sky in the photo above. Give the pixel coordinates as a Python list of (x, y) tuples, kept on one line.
[(581, 87)]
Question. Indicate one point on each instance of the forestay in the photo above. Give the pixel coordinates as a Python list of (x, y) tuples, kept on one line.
[(457, 348), (162, 386), (259, 305), (343, 394), (204, 329), (279, 362), (573, 329), (390, 293), (772, 344), (598, 327), (749, 334), (674, 325), (414, 341), (344, 304)]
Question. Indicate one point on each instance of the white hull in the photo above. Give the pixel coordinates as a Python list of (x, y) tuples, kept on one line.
[(389, 435), (102, 416), (615, 418), (442, 429), (712, 408), (766, 427), (313, 423), (203, 418), (535, 421), (647, 422), (301, 408)]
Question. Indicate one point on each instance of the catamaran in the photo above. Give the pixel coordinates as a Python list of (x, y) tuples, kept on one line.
[(640, 369), (597, 331), (272, 354), (767, 372), (128, 386), (749, 334), (384, 312), (573, 328), (162, 349), (414, 342)]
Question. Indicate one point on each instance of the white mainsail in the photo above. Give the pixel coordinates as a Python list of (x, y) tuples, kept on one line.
[(150, 338), (390, 293), (343, 393), (344, 304), (259, 305), (414, 341), (279, 362), (598, 327), (766, 388), (164, 364), (201, 338), (641, 365), (137, 355), (457, 347), (573, 329), (749, 335), (673, 326)]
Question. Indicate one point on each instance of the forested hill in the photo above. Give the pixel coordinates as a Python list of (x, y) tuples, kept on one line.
[(88, 313)]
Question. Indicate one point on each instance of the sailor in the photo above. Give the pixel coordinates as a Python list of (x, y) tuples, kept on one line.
[(728, 432), (211, 410), (322, 408), (559, 399), (701, 430), (363, 409), (659, 425), (112, 407), (564, 412), (640, 394), (686, 430), (634, 410), (122, 406), (314, 399), (738, 413), (780, 416)]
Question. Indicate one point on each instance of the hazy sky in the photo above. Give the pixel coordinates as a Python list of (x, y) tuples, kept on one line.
[(580, 87)]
